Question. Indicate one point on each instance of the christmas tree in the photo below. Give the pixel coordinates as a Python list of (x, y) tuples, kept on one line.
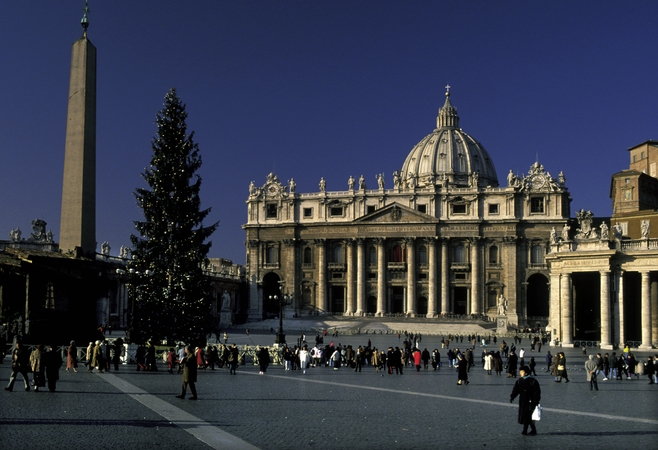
[(171, 294)]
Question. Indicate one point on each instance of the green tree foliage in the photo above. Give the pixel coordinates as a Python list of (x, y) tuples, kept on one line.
[(170, 292)]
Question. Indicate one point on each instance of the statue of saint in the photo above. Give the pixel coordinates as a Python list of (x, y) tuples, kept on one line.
[(252, 188), (396, 179), (565, 232), (292, 185), (645, 228), (362, 182), (226, 300), (105, 248), (605, 232), (380, 180), (502, 305), (323, 184), (553, 236), (350, 183)]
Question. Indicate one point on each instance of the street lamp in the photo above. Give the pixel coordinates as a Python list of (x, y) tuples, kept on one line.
[(281, 301)]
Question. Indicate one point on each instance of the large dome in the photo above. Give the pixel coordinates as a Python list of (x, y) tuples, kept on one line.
[(448, 156)]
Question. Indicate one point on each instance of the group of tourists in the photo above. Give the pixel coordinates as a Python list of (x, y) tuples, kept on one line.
[(43, 361)]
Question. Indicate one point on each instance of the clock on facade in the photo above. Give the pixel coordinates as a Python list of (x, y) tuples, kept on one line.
[(537, 181)]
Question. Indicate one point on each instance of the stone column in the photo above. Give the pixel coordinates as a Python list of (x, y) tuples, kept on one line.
[(646, 312), (445, 281), (620, 288), (475, 277), (605, 310), (381, 277), (510, 244), (321, 301), (255, 311), (351, 307), (360, 277), (554, 308), (411, 277), (431, 298), (566, 337)]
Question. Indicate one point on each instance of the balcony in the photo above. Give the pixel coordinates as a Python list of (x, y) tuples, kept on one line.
[(336, 266), (397, 266)]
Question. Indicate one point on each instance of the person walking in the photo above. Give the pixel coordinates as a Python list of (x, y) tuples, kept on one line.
[(590, 371), (263, 360), (529, 392), (90, 357), (488, 362), (462, 370), (233, 359), (20, 363), (52, 363), (549, 361), (37, 366), (189, 373), (72, 357), (512, 363), (305, 358), (562, 367)]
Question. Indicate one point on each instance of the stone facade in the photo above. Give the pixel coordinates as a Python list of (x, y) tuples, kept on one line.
[(444, 239)]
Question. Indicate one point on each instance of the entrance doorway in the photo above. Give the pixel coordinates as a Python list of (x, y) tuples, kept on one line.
[(461, 300), (337, 299), (397, 300)]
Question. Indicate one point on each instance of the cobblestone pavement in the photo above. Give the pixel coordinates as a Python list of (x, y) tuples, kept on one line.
[(326, 408)]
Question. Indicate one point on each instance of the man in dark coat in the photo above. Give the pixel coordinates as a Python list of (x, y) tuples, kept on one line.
[(529, 392), (53, 361), (189, 373), (20, 363)]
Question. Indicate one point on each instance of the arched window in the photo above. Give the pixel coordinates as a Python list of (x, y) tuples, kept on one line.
[(308, 256), (372, 255), (337, 254), (460, 253), (537, 254), (493, 255), (422, 255)]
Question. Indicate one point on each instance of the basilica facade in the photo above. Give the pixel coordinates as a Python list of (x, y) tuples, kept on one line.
[(445, 239)]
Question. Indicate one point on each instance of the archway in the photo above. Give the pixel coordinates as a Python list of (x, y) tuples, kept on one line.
[(271, 288), (587, 305), (537, 298)]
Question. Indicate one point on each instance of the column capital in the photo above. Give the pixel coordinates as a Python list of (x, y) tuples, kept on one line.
[(253, 243), (379, 240), (290, 242), (319, 242)]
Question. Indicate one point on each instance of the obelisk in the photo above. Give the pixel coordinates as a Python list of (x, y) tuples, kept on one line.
[(77, 232)]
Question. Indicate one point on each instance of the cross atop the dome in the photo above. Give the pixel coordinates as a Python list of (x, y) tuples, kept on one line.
[(447, 90)]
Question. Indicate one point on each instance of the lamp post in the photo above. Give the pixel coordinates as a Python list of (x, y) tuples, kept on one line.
[(282, 301)]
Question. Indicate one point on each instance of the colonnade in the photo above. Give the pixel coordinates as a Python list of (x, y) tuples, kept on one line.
[(356, 280), (611, 308)]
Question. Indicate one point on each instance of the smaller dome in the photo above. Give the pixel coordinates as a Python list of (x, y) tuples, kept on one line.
[(448, 156)]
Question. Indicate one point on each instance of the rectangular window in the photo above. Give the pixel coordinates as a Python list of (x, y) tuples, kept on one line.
[(537, 205), (422, 208), (50, 296), (371, 208), (271, 211), (493, 208), (336, 275), (460, 276), (336, 211), (422, 276), (459, 209), (372, 276), (624, 228), (308, 213)]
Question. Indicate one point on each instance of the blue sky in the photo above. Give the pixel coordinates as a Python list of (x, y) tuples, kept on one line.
[(311, 89)]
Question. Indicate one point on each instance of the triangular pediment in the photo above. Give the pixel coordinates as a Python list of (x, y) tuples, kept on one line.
[(396, 213)]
